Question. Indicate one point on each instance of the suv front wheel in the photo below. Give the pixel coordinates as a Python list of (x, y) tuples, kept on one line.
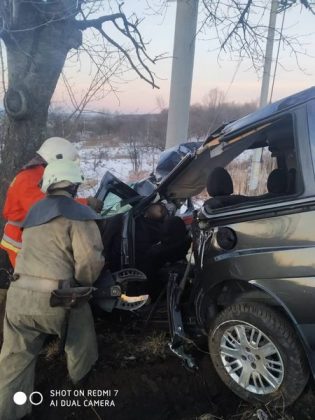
[(257, 354)]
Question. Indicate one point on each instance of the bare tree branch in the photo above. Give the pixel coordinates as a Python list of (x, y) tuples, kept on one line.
[(97, 23), (69, 90), (240, 27), (126, 54), (240, 23), (131, 32)]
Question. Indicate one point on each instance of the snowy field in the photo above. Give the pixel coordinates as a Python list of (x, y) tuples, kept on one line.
[(119, 160), (97, 159), (130, 164)]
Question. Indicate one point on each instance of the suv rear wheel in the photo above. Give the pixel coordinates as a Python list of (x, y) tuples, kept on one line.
[(257, 354)]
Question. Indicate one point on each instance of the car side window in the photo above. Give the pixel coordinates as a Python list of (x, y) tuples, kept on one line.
[(267, 169), (245, 180)]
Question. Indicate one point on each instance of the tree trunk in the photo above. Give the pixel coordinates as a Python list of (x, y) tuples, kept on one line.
[(35, 59)]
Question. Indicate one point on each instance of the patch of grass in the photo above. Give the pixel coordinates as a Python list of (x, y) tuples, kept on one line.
[(262, 412), (208, 416), (155, 344), (130, 348), (51, 350)]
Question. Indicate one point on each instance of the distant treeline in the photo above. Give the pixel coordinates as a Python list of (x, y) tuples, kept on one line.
[(147, 129)]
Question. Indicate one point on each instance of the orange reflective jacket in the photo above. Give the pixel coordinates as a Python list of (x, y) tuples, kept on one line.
[(22, 194)]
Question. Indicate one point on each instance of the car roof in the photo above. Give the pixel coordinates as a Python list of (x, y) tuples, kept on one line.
[(189, 177), (264, 113)]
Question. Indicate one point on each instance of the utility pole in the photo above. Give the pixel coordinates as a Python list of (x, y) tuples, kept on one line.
[(268, 56), (254, 176), (182, 72)]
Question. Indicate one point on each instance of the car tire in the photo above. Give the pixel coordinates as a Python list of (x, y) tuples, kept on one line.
[(258, 355)]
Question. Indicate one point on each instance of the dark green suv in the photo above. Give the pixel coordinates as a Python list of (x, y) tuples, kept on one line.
[(252, 291), (248, 287)]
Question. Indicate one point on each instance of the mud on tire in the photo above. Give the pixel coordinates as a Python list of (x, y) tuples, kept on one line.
[(245, 321)]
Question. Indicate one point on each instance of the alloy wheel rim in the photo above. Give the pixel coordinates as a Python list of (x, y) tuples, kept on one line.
[(251, 359)]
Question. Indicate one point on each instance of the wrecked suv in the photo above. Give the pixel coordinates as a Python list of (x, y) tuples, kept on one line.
[(248, 285), (252, 291)]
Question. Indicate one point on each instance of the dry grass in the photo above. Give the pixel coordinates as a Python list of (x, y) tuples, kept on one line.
[(155, 344), (137, 176), (51, 350), (275, 410), (240, 171), (102, 140), (131, 347), (246, 412), (88, 184), (209, 416)]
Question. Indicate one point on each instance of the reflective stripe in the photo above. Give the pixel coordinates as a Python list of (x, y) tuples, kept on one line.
[(13, 233), (18, 224), (6, 245), (11, 241)]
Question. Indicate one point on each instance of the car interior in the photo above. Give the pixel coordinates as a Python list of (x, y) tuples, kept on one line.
[(277, 170), (158, 239), (227, 186)]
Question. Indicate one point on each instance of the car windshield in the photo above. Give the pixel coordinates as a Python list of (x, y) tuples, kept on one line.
[(113, 204), (119, 197)]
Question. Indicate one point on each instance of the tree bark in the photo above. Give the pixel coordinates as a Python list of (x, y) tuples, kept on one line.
[(35, 60)]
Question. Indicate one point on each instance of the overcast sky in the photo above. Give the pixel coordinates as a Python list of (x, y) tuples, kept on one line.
[(158, 28)]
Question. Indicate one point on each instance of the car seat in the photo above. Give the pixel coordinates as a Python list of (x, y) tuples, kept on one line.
[(220, 188), (277, 183)]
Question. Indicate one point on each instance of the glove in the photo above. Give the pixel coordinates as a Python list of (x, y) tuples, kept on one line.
[(95, 204)]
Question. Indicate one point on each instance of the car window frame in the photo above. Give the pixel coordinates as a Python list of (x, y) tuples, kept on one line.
[(272, 202)]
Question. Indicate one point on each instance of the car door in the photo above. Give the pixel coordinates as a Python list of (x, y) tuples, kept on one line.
[(269, 243), (117, 196)]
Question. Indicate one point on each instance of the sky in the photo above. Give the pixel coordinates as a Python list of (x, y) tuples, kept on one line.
[(237, 80)]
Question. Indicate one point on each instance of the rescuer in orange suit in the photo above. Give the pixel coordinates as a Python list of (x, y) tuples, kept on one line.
[(25, 191)]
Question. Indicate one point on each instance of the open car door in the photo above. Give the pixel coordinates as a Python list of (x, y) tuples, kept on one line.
[(117, 196)]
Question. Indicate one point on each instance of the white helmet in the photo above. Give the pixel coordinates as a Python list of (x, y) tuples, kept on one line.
[(57, 148), (60, 174)]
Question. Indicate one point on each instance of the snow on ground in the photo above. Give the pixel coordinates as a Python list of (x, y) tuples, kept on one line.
[(99, 158)]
